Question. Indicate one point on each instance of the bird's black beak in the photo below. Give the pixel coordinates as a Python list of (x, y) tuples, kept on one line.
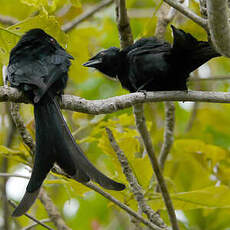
[(93, 62)]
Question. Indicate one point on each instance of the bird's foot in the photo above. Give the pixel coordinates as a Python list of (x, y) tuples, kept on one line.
[(143, 91)]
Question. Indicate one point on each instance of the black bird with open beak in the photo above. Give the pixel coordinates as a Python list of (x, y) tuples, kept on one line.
[(151, 64)]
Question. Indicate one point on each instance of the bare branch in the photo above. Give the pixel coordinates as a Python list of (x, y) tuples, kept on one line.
[(26, 137), (192, 117), (35, 224), (72, 24), (141, 127), (168, 133), (52, 211), (13, 175), (219, 25), (188, 13), (135, 186), (214, 78), (165, 17), (117, 103), (122, 206), (31, 217), (126, 37)]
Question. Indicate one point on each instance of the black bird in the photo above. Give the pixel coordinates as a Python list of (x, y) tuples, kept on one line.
[(154, 65), (39, 67)]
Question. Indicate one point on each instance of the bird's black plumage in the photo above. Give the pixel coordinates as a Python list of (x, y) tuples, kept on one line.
[(154, 65), (39, 67)]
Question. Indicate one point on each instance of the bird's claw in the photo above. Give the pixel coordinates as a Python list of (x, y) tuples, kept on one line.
[(143, 91)]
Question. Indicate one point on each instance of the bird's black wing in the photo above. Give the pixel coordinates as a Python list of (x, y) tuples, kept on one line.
[(147, 64)]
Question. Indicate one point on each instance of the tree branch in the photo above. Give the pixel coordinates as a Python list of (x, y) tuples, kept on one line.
[(165, 17), (113, 104), (188, 13), (135, 186), (168, 133), (141, 127), (52, 211), (35, 224), (122, 206), (219, 26), (26, 137), (192, 117), (126, 37), (72, 24)]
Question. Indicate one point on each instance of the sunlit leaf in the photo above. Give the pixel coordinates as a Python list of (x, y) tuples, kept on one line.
[(16, 155), (210, 197)]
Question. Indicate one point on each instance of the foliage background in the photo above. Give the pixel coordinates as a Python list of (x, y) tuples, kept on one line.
[(197, 171)]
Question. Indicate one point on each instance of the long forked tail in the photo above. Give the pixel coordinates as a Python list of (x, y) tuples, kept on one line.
[(192, 52), (55, 143), (67, 149)]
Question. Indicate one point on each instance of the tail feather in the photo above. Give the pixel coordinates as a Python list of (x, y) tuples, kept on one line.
[(55, 143), (26, 202), (73, 151), (193, 53)]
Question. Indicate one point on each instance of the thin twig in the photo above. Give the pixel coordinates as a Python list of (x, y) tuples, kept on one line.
[(31, 217), (72, 24), (35, 224), (52, 211), (26, 137), (135, 186), (165, 17), (195, 106), (142, 129), (218, 14), (168, 133), (214, 78), (122, 206), (126, 37), (192, 117), (188, 13)]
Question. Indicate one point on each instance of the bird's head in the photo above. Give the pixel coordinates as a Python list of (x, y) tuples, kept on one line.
[(36, 35), (36, 40), (106, 61)]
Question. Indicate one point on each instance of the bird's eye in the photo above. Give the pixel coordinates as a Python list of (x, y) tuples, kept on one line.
[(52, 40)]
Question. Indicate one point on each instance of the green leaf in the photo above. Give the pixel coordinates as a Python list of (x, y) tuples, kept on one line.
[(76, 3), (8, 40), (10, 36), (39, 4), (48, 23), (210, 197), (17, 155), (78, 187)]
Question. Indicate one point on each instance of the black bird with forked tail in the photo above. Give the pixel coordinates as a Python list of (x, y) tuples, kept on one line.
[(39, 67), (151, 64)]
